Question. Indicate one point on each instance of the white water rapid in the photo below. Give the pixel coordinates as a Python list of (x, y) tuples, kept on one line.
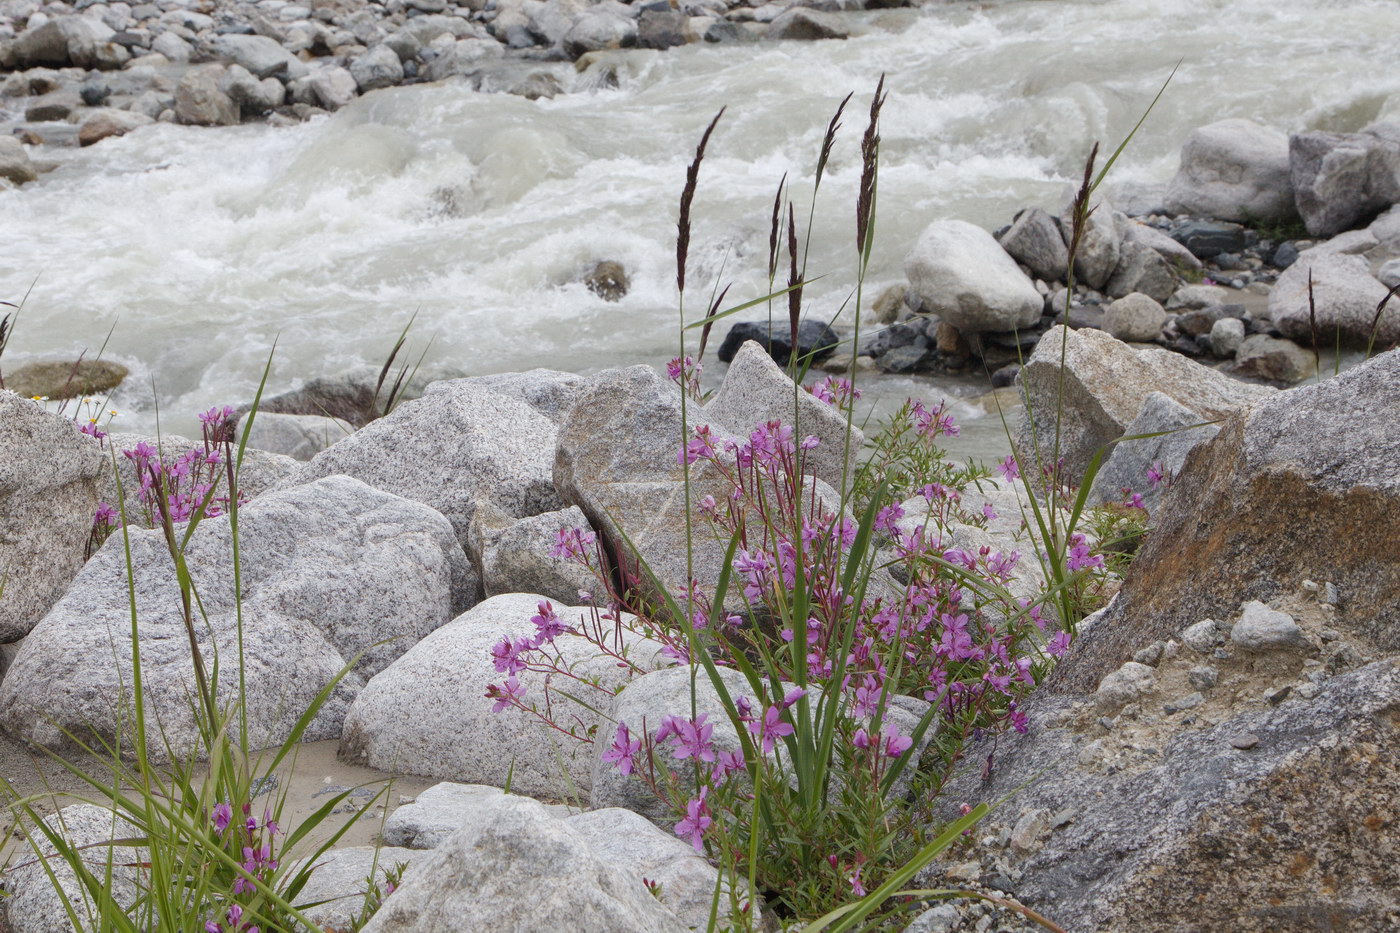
[(481, 211)]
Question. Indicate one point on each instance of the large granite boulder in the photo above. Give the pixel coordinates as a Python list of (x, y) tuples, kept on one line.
[(437, 812), (456, 447), (549, 392), (514, 555), (428, 713), (1234, 169), (48, 492), (1345, 298), (34, 903), (1301, 486), (477, 879), (756, 391), (300, 437), (959, 272), (1105, 384), (330, 571), (340, 881), (1343, 180), (1202, 808), (1099, 244)]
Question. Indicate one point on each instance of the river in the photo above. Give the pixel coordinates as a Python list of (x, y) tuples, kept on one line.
[(198, 248)]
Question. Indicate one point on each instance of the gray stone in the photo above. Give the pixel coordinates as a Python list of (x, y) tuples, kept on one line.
[(329, 571), (33, 905), (300, 437), (173, 47), (1386, 230), (1173, 252), (107, 123), (639, 849), (662, 29), (1141, 269), (48, 492), (1234, 170), (1300, 486), (53, 107), (1107, 382), (428, 712), (334, 87), (549, 392), (1125, 685), (616, 460), (641, 706), (254, 97), (1261, 629), (64, 40), (1343, 180), (1345, 297), (1389, 273), (941, 919), (199, 100), (1098, 251), (1274, 359), (458, 446), (1192, 297), (1226, 336), (341, 878), (15, 165), (755, 391), (463, 57), (261, 56), (439, 811), (513, 556), (602, 27), (1203, 637), (960, 273), (1034, 240), (377, 68), (802, 23), (1203, 677), (474, 880), (1135, 317), (1172, 838), (1130, 460), (349, 396)]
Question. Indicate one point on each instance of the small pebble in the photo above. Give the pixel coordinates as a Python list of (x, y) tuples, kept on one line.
[(1244, 741), (1203, 677), (1190, 701), (1149, 655), (1277, 694), (1331, 596), (1309, 691)]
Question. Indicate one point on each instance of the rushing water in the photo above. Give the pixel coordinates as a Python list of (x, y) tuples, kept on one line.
[(481, 211)]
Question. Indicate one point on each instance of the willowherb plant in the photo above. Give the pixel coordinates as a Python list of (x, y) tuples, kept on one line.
[(871, 645)]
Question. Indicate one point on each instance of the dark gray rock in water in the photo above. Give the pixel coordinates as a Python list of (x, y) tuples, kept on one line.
[(1207, 238), (1006, 376), (1343, 180), (608, 280), (1200, 320), (1285, 255), (903, 359), (813, 337), (661, 29), (802, 23)]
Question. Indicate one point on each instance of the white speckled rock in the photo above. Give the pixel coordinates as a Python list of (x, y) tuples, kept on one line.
[(440, 810), (514, 556), (428, 713), (1262, 629), (755, 390), (341, 878), (964, 276), (1345, 295), (329, 570), (1135, 317), (48, 491), (1106, 384), (300, 437), (1234, 170), (458, 445), (515, 866), (33, 906)]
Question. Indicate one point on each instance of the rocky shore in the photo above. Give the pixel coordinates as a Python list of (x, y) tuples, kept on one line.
[(108, 68)]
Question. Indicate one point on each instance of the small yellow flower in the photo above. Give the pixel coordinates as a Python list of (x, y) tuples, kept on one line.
[(39, 398)]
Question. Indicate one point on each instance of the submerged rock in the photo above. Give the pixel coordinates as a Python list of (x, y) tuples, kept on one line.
[(62, 379)]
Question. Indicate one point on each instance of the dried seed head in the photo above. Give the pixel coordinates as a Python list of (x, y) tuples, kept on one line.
[(794, 296), (692, 175), (830, 137), (774, 228), (869, 155)]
